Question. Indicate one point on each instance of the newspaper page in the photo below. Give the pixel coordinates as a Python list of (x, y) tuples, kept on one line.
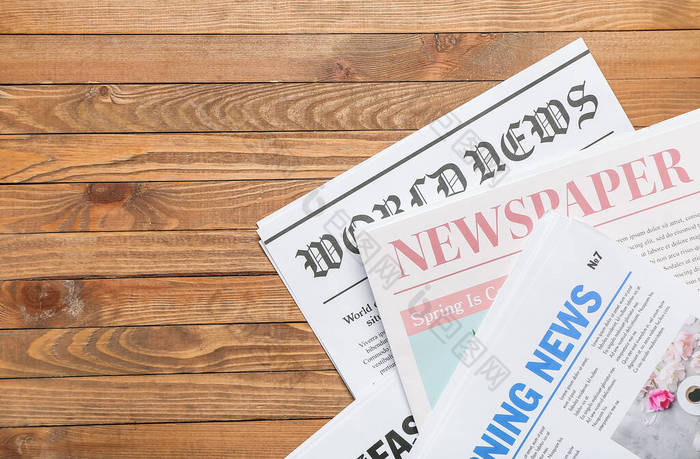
[(596, 349), (451, 259), (559, 104)]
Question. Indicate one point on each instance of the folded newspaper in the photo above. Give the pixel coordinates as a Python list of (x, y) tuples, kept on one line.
[(559, 104), (589, 351), (451, 259)]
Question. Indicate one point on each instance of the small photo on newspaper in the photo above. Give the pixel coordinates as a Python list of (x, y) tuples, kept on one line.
[(665, 415)]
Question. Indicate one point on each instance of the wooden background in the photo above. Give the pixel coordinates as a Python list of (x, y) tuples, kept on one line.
[(139, 145)]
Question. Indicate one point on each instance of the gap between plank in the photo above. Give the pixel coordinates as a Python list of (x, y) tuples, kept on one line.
[(128, 375), (166, 422)]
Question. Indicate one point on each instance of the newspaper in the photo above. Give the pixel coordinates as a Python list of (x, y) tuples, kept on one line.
[(559, 104), (452, 258), (597, 350)]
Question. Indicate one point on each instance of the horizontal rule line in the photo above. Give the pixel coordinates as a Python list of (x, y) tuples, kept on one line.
[(598, 140), (345, 290)]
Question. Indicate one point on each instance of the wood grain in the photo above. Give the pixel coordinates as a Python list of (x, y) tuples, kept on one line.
[(149, 301), (144, 206), (650, 101), (305, 16), (227, 107), (171, 398), (140, 143), (332, 58), (130, 254), (239, 440), (173, 157), (283, 107), (160, 350)]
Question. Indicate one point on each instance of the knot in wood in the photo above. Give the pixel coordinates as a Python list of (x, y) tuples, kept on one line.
[(107, 193), (41, 299)]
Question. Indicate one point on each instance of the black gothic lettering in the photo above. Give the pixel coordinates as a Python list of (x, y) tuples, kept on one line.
[(322, 256), (417, 198), (486, 160), (548, 122), (451, 181), (386, 209), (581, 101), (349, 232), (511, 144)]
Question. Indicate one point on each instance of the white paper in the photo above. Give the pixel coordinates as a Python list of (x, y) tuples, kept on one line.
[(566, 353), (311, 242), (378, 425), (656, 177)]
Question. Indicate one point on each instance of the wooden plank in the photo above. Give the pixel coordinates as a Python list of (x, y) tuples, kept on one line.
[(355, 16), (173, 157), (160, 350), (280, 107), (222, 107), (649, 101), (240, 440), (144, 206), (149, 301), (171, 398), (332, 58), (129, 254)]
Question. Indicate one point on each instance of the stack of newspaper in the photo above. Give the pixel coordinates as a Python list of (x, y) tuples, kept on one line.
[(410, 269)]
